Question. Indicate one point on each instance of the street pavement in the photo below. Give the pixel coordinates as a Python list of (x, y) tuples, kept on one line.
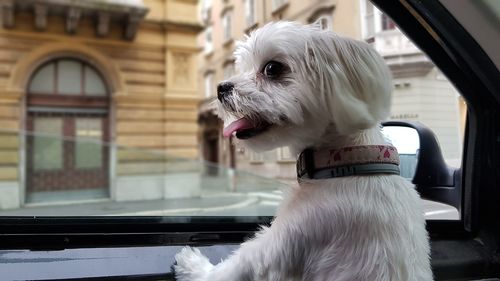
[(210, 204), (259, 203)]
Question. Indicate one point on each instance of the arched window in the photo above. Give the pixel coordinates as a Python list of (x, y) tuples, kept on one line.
[(67, 77), (325, 22), (323, 16)]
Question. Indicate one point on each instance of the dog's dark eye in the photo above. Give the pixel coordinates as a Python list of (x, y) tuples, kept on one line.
[(273, 69)]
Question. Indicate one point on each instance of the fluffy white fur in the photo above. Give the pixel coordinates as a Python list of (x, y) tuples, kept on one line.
[(334, 93)]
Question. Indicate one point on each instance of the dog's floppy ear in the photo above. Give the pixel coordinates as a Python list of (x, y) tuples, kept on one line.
[(354, 81)]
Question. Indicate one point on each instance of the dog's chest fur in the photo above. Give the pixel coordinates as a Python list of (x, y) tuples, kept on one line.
[(370, 226)]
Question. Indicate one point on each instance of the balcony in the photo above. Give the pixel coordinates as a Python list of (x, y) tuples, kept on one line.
[(402, 56)]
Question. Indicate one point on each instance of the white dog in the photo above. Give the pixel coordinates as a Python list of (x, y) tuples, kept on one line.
[(322, 95)]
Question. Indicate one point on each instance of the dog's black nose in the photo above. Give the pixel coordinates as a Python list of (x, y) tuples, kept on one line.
[(224, 89)]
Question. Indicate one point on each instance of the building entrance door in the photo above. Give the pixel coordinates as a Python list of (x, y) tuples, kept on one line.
[(67, 158), (67, 122)]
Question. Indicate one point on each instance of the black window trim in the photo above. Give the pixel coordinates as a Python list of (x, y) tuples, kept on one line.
[(56, 233)]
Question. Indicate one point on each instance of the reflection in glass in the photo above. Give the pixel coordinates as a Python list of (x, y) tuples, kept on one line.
[(69, 77), (48, 145), (43, 80), (93, 83), (406, 141), (87, 147)]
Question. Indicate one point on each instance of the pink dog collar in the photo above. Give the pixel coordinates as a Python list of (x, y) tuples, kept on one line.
[(348, 161)]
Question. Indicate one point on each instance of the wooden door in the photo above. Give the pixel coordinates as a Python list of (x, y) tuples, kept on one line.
[(67, 152)]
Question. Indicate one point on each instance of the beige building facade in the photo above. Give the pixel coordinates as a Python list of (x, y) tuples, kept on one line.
[(77, 73)]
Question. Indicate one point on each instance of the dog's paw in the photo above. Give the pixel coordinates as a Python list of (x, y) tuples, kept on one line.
[(191, 265)]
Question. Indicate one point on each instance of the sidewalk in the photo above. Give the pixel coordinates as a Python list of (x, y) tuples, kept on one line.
[(205, 205)]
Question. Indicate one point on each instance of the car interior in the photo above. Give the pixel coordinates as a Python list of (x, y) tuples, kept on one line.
[(464, 47)]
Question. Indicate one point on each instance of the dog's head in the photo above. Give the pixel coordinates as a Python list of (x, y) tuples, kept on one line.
[(297, 84)]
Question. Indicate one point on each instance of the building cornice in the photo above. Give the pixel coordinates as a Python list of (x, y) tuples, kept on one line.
[(103, 12), (410, 69), (182, 26)]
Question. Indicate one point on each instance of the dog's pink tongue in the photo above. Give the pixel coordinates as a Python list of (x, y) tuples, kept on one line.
[(240, 124)]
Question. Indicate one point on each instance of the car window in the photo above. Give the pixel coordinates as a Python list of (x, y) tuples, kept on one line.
[(121, 120)]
